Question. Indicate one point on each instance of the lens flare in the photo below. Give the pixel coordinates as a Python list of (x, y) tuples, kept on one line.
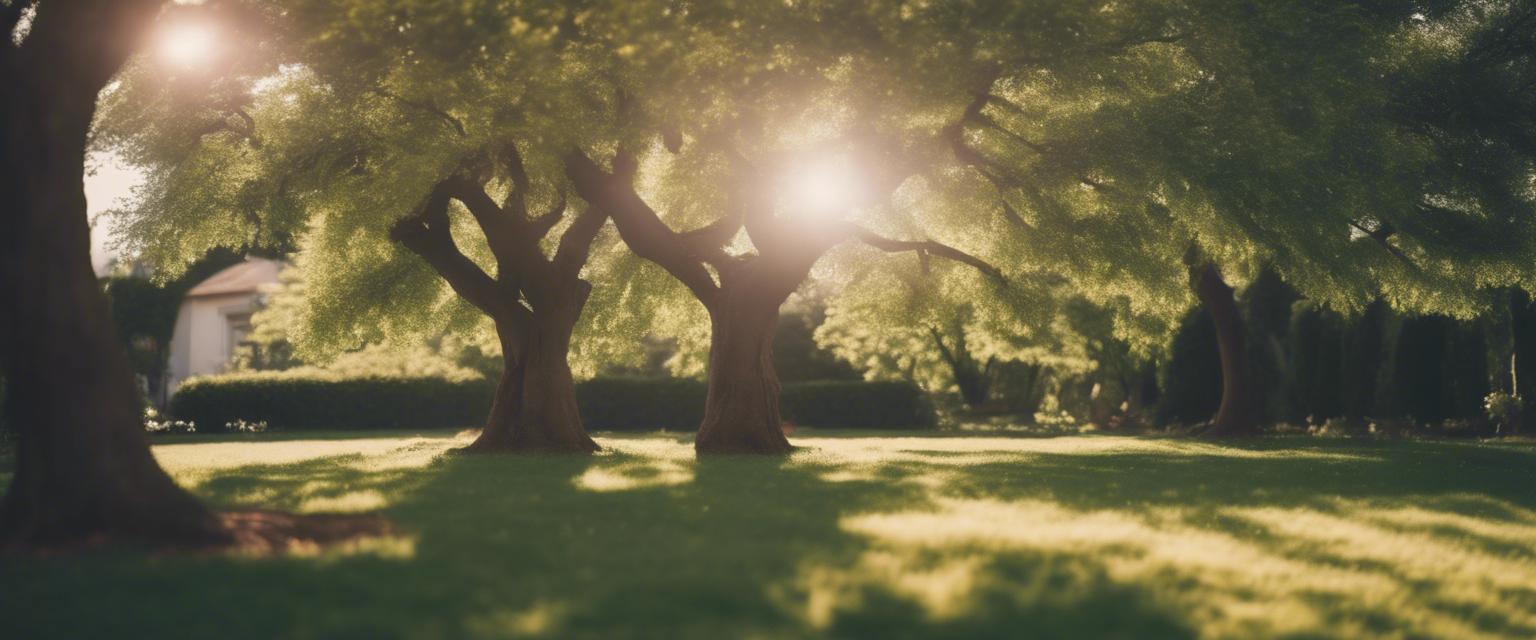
[(188, 45), (824, 187)]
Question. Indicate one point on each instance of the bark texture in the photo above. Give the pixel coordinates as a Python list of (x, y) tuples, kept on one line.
[(534, 409), (743, 296), (1235, 415), (84, 472), (534, 300)]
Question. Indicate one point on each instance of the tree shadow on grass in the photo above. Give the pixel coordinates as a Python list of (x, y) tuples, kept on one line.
[(850, 538), (1337, 539)]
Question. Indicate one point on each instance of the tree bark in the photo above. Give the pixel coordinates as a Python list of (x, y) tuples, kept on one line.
[(741, 411), (84, 472), (1234, 417), (534, 409)]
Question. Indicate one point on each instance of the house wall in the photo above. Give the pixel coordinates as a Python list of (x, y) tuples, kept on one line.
[(203, 341)]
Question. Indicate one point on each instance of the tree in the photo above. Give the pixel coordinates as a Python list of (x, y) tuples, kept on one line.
[(534, 302), (144, 313), (741, 412), (368, 150), (1215, 138), (950, 330), (83, 467)]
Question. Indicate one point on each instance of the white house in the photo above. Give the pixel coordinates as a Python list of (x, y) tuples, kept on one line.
[(214, 318)]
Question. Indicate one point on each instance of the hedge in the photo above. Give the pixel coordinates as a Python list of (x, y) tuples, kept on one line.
[(315, 402), (607, 404), (856, 404), (641, 404)]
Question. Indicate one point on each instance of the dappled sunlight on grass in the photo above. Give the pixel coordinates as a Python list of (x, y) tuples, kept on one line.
[(306, 475), (633, 464), (193, 463), (538, 619), (1453, 565), (851, 536), (391, 547), (968, 450)]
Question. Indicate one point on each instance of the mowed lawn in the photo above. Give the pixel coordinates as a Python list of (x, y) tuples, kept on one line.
[(859, 535)]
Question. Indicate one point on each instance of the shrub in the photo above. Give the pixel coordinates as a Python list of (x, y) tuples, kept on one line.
[(856, 404), (641, 404), (286, 401), (308, 401)]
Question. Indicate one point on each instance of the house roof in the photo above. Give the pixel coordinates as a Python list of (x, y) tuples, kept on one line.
[(246, 277)]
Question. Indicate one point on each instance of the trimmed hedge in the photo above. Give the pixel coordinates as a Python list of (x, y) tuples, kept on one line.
[(641, 404), (607, 404), (856, 404), (314, 402)]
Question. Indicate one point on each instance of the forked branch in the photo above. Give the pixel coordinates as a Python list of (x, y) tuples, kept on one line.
[(642, 230), (427, 233)]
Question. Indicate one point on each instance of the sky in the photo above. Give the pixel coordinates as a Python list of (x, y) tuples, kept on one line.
[(108, 185)]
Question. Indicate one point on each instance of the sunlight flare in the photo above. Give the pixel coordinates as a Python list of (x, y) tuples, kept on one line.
[(824, 187), (188, 45)]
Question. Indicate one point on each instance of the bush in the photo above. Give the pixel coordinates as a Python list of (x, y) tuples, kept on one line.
[(298, 402), (320, 402), (641, 404), (856, 404)]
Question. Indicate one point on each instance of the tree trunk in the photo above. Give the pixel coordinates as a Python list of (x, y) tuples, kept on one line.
[(1234, 417), (1503, 375), (534, 410), (84, 472), (741, 412)]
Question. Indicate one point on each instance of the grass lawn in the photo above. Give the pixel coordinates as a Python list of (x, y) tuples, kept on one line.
[(861, 534)]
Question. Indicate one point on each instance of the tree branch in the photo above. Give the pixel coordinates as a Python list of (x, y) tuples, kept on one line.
[(1380, 236), (938, 339), (517, 197), (541, 225), (501, 230), (639, 226), (924, 248), (429, 107), (427, 233), (576, 242)]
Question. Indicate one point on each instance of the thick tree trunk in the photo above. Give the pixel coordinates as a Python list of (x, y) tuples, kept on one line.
[(741, 412), (1235, 415), (84, 472), (535, 410)]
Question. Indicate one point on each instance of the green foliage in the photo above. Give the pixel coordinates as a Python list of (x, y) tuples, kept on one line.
[(641, 404), (1504, 410), (1364, 151), (307, 401), (885, 315), (851, 404), (144, 314), (144, 309), (1191, 376)]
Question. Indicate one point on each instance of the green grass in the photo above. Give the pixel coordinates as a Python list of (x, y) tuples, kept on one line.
[(855, 536)]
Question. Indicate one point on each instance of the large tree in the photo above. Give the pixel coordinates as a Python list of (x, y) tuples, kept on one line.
[(743, 295), (372, 150), (83, 466), (1220, 137)]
